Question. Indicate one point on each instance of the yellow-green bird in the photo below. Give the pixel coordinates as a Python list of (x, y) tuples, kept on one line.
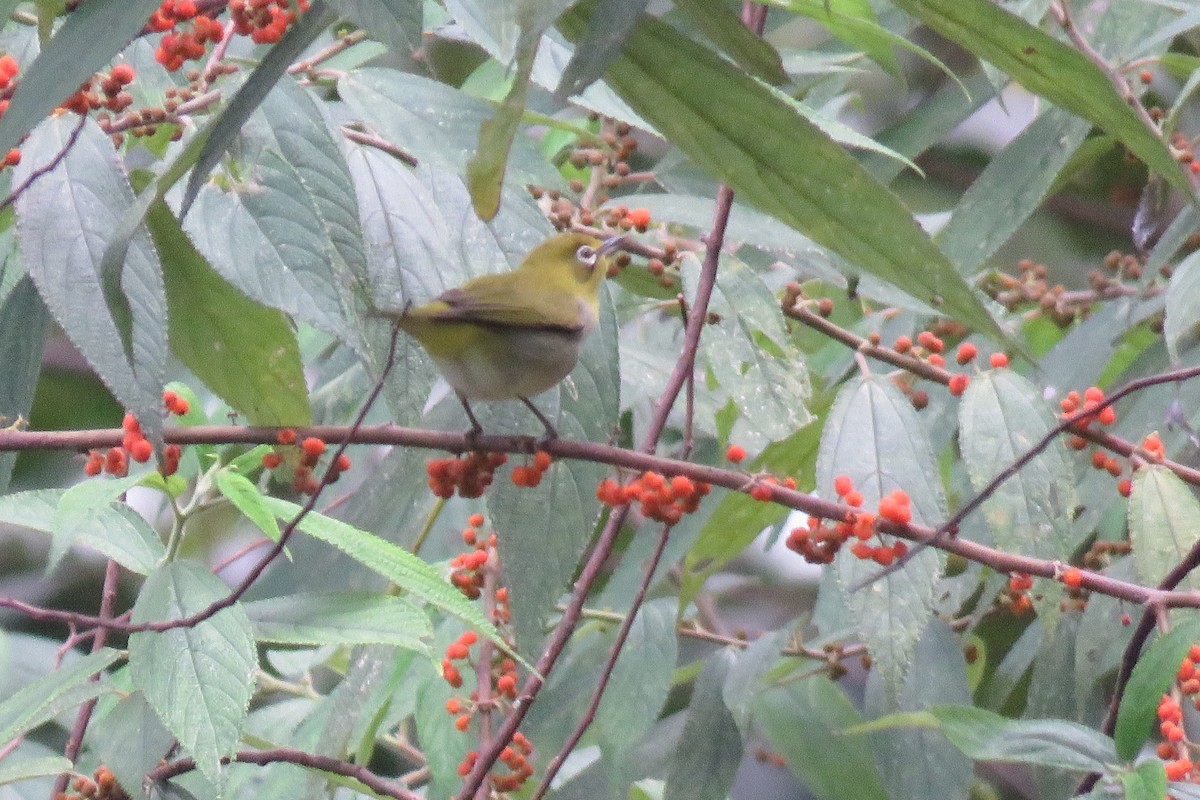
[(516, 334)]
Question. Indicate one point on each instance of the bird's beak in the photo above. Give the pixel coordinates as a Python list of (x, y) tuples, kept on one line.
[(611, 244)]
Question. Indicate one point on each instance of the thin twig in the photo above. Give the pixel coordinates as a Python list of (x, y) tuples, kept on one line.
[(48, 167)]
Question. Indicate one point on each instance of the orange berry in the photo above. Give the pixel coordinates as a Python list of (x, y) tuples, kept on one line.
[(638, 217), (998, 360), (272, 460), (541, 460), (312, 446), (937, 360), (958, 384), (736, 454), (141, 451), (884, 556), (286, 436), (853, 498), (8, 66), (453, 706), (843, 485), (94, 464), (343, 462), (475, 520), (966, 352), (12, 157), (761, 492), (1107, 415), (1072, 577), (463, 722), (1145, 76)]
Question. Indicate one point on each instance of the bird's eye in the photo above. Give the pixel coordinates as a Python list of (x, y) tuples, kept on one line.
[(586, 255)]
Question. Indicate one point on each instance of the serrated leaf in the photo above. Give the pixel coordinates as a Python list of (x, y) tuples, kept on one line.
[(396, 564), (246, 497), (23, 327), (1181, 327), (220, 134), (116, 319), (744, 678), (1050, 68), (435, 123), (342, 618), (873, 435), (69, 58), (805, 722), (199, 679), (1164, 524), (1152, 676), (544, 530), (87, 512), (638, 685), (767, 381), (130, 740), (55, 692), (1001, 416), (700, 103), (16, 770), (246, 353), (704, 766)]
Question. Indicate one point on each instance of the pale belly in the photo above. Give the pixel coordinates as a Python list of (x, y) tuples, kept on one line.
[(522, 364)]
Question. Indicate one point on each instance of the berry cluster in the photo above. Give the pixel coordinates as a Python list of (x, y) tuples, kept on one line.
[(304, 479), (819, 542), (184, 33), (663, 500), (459, 650), (467, 568), (264, 21), (101, 786), (515, 757), (135, 445), (1016, 594), (531, 475), (111, 95), (1173, 748), (469, 475)]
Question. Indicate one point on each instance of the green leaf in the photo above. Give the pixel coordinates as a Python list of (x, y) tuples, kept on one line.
[(219, 135), (701, 104), (1147, 781), (744, 678), (129, 739), (199, 679), (986, 736), (23, 327), (396, 23), (854, 22), (316, 619), (89, 514), (874, 436), (1151, 678), (601, 42), (71, 56), (1181, 327), (55, 692), (485, 169), (116, 319), (1000, 417), (15, 771), (805, 721), (722, 26), (397, 565), (752, 355), (246, 353), (1047, 67), (638, 686), (1010, 189), (702, 768), (242, 492), (435, 123), (1164, 524)]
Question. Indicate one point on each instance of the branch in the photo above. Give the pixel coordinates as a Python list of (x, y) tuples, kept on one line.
[(48, 167)]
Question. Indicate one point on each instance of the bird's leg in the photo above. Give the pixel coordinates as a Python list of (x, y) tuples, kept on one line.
[(476, 428), (551, 431)]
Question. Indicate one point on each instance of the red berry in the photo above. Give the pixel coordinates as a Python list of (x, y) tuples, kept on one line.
[(903, 344), (998, 360), (638, 217), (843, 485), (12, 157), (736, 454), (122, 73), (1072, 577), (343, 462), (541, 460), (966, 352), (130, 423), (141, 451), (958, 384), (272, 460), (312, 446), (286, 436)]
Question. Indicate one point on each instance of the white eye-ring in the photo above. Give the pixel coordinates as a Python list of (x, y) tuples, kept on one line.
[(586, 255)]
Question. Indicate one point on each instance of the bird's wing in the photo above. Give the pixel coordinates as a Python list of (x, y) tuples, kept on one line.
[(492, 300)]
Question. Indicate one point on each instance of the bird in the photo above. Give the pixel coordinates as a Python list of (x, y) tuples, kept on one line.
[(514, 335)]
